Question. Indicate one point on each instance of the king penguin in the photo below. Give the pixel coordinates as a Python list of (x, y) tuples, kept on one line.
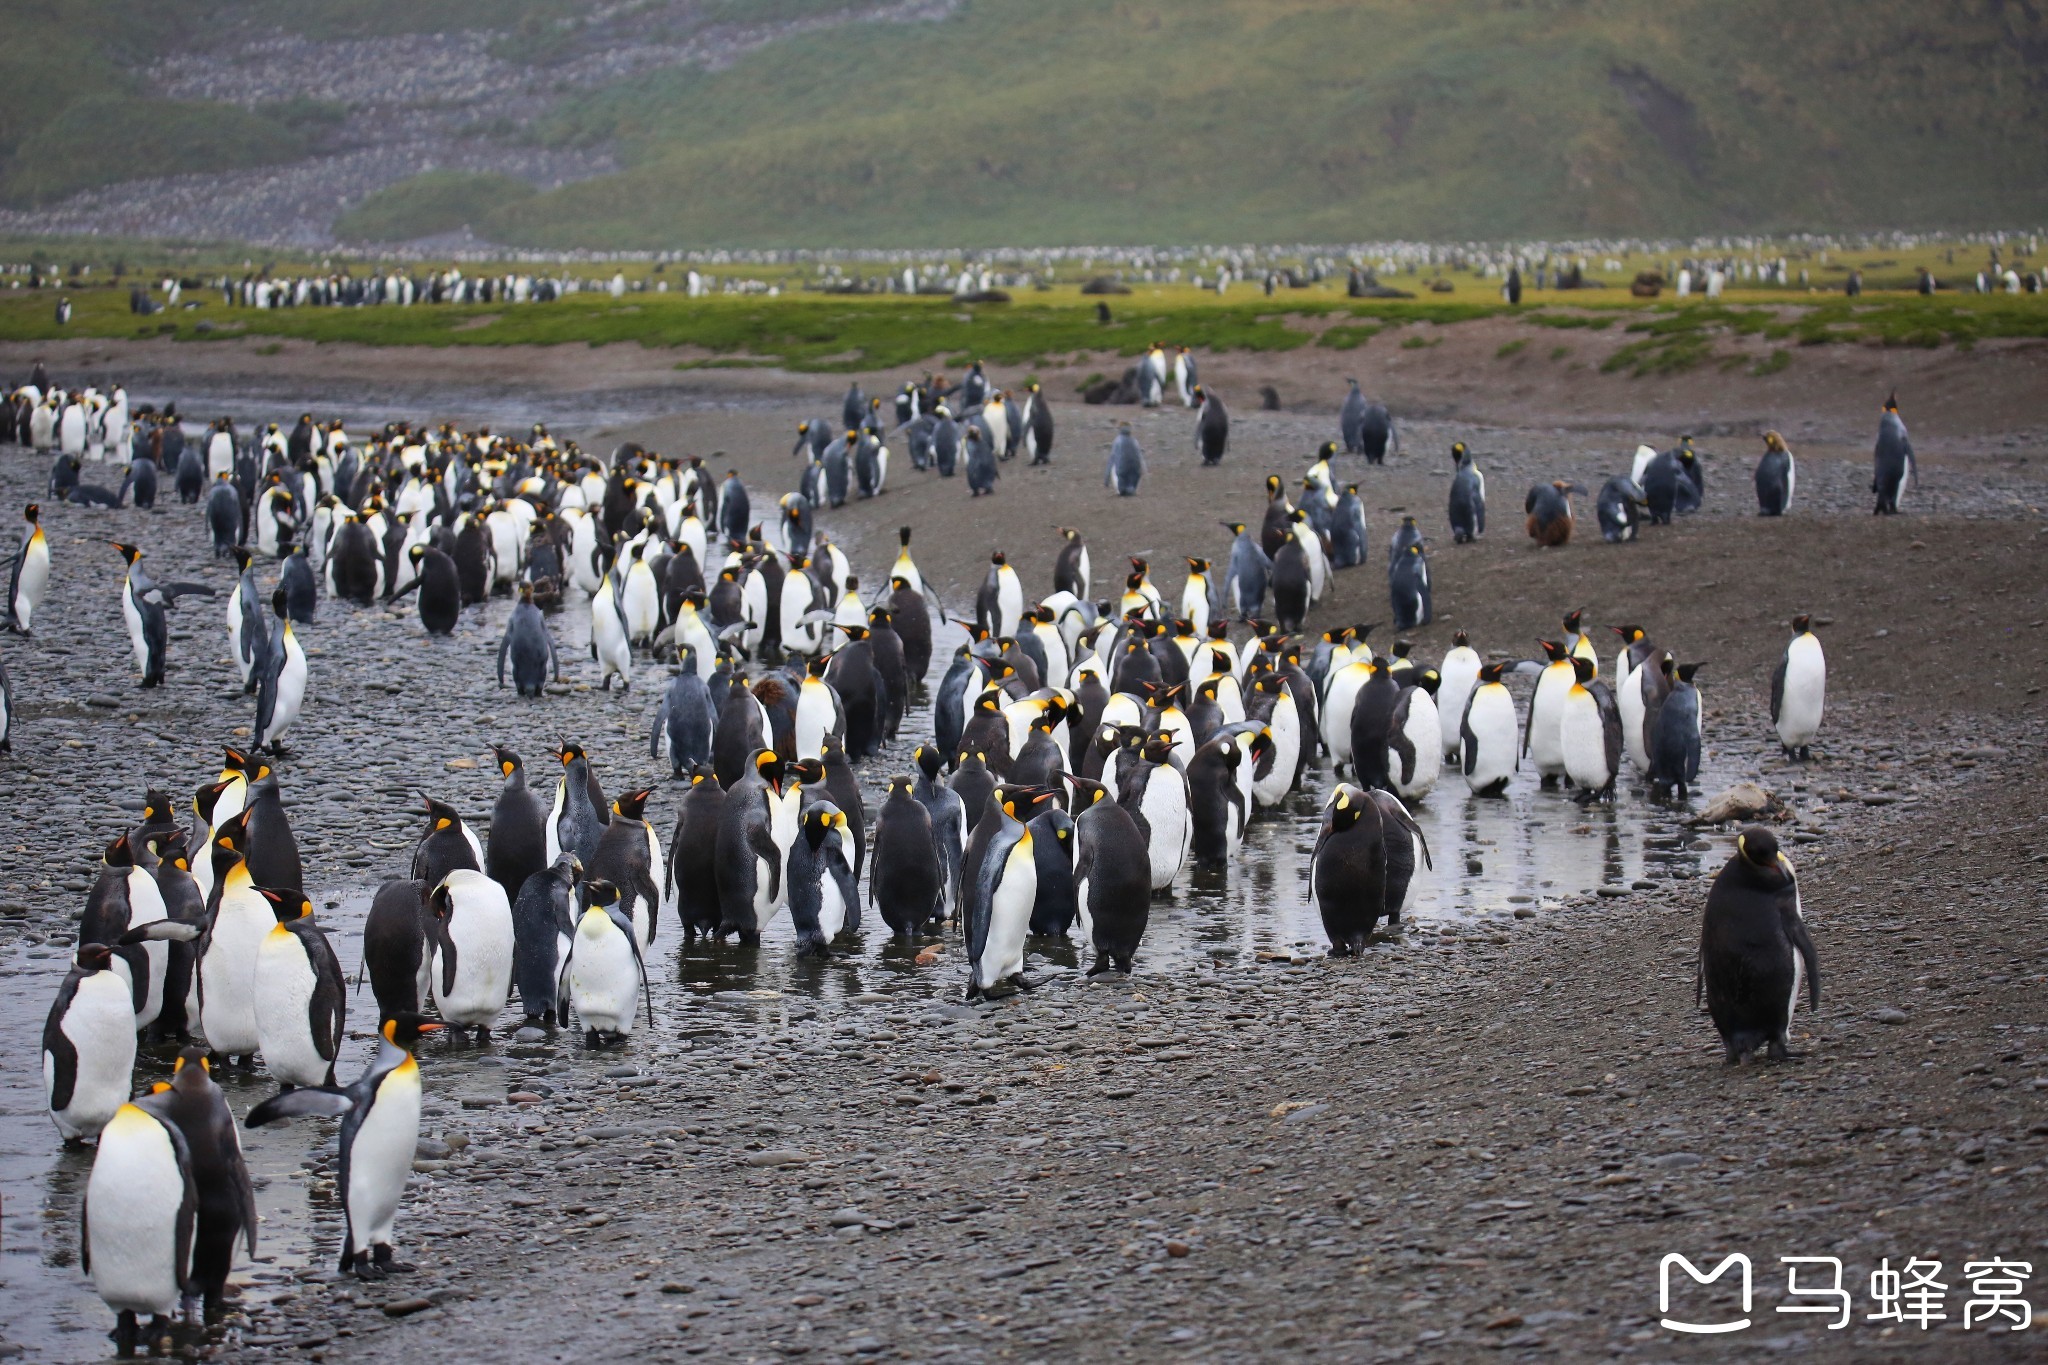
[(1754, 949), (301, 997), (607, 974), (380, 1132), (1799, 686)]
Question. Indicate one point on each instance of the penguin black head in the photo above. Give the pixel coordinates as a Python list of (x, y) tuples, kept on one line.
[(1758, 846), (1686, 671), (770, 767), (1347, 806), (94, 957), (806, 770), (819, 822), (1891, 404), (929, 759), (286, 905), (1490, 673), (1022, 803), (1571, 618), (997, 558), (1272, 485), (508, 762), (1629, 633), (1429, 680), (279, 604), (1582, 670), (597, 892), (632, 804), (902, 784), (442, 814), (1801, 624), (32, 512), (128, 552), (119, 854), (1554, 651), (406, 1027), (1461, 640), (196, 1057), (1457, 451), (569, 753)]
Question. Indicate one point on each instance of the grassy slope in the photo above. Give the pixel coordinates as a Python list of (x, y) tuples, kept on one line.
[(1232, 120), (435, 202)]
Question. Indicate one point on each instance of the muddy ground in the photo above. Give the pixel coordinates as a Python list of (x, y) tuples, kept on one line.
[(1482, 1136)]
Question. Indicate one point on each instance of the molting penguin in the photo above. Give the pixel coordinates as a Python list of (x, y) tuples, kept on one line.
[(473, 941), (1347, 530), (1408, 587), (1126, 465), (1754, 949), (1550, 513), (607, 974), (1894, 468), (1351, 419), (1468, 497), (89, 1044), (543, 923), (1675, 744), (580, 812), (1617, 508), (517, 847), (1799, 686), (1488, 751), (981, 462), (1776, 477), (1244, 588), (380, 1132), (301, 997), (529, 646)]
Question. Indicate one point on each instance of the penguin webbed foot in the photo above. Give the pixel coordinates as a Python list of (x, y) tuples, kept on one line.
[(385, 1261)]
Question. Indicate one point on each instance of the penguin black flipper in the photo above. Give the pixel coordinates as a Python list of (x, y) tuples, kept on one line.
[(762, 845), (1391, 805), (308, 1101), (623, 921), (1795, 930), (1778, 686)]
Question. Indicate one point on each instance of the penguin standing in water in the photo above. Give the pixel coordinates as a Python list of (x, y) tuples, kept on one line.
[(448, 844), (89, 1044), (1468, 497), (226, 1210), (1053, 907), (693, 855), (1589, 734), (1617, 508), (1550, 513), (1415, 737), (999, 887), (1487, 749), (1776, 477), (1126, 466), (628, 858), (1894, 469), (1212, 427), (1541, 741), (396, 953), (471, 922), (950, 823), (823, 899), (380, 1132), (241, 920), (138, 1216), (1406, 849), (439, 584), (543, 923), (580, 811), (1348, 870), (1408, 588), (1218, 809), (1112, 881), (281, 694), (1155, 791), (1799, 688), (31, 573), (1754, 950), (908, 884), (1458, 674), (756, 828), (301, 996), (1675, 743), (606, 970), (685, 720)]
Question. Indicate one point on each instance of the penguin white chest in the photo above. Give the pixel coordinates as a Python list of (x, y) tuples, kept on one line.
[(380, 1158), (285, 981), (132, 1200), (604, 976), (1583, 739), (1002, 955), (227, 974), (1805, 696), (100, 1025)]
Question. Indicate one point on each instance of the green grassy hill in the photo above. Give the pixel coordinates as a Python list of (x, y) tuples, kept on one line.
[(1023, 122)]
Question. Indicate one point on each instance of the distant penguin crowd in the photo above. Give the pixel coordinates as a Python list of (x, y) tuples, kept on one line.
[(1095, 740)]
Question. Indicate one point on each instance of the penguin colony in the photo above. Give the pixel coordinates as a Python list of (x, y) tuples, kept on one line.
[(1090, 745)]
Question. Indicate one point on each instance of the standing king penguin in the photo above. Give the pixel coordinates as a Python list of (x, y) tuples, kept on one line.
[(1754, 949)]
